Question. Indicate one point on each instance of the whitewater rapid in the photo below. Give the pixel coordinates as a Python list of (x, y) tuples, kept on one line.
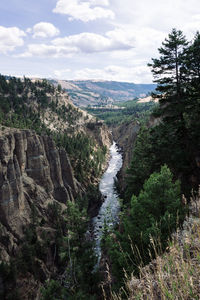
[(109, 211)]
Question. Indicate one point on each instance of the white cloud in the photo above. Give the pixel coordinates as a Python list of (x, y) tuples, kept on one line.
[(90, 42), (43, 50), (10, 38), (156, 14), (43, 30), (191, 27), (29, 30), (62, 73), (80, 43), (111, 72), (143, 43), (99, 2), (84, 10)]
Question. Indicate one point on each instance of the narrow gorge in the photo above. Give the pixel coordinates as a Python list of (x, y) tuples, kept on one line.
[(99, 151), (48, 189), (79, 188), (108, 215), (58, 171)]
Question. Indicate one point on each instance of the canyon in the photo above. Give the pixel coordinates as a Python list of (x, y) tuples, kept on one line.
[(38, 181)]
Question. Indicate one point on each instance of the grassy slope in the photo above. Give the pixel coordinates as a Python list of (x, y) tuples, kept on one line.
[(175, 274)]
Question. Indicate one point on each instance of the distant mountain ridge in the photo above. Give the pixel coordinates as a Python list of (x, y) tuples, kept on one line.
[(97, 92)]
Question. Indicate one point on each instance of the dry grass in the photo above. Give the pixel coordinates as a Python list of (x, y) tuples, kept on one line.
[(176, 274)]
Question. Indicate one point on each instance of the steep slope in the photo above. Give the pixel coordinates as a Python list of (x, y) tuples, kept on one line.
[(33, 173), (125, 136), (41, 200), (94, 92), (32, 170), (175, 274), (38, 105)]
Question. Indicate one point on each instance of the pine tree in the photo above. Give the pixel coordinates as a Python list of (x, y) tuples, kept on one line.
[(167, 70), (169, 73), (154, 213)]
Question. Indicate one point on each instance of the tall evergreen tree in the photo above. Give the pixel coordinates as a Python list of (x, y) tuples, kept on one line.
[(177, 73), (169, 73), (167, 70)]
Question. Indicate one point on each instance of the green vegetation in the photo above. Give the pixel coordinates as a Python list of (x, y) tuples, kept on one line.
[(162, 154), (75, 255), (8, 275), (175, 274), (55, 241), (23, 104), (86, 160), (176, 140), (152, 215), (59, 241), (127, 111)]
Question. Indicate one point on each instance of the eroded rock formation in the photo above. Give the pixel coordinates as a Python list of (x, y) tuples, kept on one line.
[(32, 170)]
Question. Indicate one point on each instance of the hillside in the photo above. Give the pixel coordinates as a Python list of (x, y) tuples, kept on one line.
[(174, 274), (39, 106), (94, 92), (51, 157)]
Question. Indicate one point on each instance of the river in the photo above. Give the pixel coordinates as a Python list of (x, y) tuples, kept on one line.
[(109, 211)]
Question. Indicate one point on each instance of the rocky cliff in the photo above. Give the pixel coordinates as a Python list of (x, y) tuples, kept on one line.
[(35, 177), (39, 191), (125, 136), (32, 172)]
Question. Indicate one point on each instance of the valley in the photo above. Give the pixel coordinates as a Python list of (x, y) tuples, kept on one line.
[(45, 182), (95, 197), (85, 93), (53, 155)]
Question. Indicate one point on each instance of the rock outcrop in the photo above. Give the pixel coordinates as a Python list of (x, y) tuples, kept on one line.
[(35, 178), (125, 136), (32, 170), (37, 181)]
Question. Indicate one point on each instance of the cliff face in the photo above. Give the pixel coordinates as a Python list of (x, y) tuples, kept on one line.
[(37, 181), (34, 177), (32, 172), (125, 136)]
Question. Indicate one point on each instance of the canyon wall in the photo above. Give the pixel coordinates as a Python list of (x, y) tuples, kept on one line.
[(125, 136), (32, 172)]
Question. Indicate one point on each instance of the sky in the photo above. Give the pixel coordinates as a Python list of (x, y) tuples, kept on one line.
[(89, 39)]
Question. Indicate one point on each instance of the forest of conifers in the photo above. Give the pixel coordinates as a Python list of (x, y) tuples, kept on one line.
[(164, 163)]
